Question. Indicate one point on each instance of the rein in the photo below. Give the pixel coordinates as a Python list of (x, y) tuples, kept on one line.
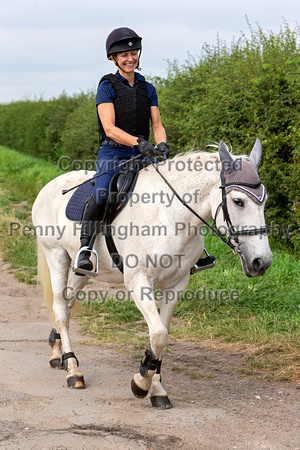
[(65, 191), (233, 234), (212, 228)]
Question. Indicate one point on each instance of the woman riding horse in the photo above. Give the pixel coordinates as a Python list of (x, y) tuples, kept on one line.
[(125, 105)]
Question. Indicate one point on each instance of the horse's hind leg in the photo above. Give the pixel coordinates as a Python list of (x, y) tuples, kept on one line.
[(45, 280), (55, 344), (59, 263)]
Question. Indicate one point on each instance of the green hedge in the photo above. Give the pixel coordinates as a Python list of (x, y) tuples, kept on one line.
[(49, 129), (250, 90), (236, 94)]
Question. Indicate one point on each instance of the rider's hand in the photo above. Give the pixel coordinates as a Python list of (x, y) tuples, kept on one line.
[(163, 149), (146, 149)]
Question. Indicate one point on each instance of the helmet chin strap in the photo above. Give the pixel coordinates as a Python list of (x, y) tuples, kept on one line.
[(115, 61), (138, 66)]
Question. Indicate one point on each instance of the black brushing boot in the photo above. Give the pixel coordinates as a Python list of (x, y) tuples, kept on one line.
[(91, 217)]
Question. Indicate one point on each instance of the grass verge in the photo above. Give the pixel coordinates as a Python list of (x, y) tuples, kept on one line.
[(21, 179)]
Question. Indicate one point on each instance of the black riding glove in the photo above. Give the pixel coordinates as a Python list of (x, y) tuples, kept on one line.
[(163, 149), (146, 149)]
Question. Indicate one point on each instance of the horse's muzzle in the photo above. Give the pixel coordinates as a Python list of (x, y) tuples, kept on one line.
[(257, 266)]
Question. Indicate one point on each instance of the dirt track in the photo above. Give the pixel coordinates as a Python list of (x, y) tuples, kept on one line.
[(38, 411)]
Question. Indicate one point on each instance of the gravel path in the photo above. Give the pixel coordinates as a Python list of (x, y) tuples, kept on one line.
[(38, 411)]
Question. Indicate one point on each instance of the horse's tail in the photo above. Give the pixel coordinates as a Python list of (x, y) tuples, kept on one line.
[(45, 280)]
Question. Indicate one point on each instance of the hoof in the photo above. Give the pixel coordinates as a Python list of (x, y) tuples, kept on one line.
[(56, 363), (161, 402), (137, 391), (76, 382)]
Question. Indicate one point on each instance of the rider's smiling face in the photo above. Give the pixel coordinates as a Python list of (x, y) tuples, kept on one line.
[(127, 61)]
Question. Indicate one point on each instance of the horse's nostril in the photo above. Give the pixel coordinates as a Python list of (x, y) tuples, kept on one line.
[(256, 264)]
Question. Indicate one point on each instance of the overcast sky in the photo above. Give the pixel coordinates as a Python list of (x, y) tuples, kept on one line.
[(50, 46)]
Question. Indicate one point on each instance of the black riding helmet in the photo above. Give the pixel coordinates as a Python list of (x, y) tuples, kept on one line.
[(122, 40)]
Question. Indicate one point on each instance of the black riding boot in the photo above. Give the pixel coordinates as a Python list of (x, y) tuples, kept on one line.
[(92, 215)]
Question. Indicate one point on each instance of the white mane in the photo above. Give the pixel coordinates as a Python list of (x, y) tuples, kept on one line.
[(195, 154)]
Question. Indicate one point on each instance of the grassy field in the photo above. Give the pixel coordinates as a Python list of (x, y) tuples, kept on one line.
[(221, 305)]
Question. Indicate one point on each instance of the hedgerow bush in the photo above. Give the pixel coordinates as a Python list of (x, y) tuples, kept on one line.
[(234, 93), (79, 137), (44, 128)]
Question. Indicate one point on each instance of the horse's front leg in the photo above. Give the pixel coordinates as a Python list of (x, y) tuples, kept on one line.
[(158, 395), (142, 293)]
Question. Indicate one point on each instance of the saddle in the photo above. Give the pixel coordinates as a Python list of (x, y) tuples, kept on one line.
[(123, 181), (120, 188)]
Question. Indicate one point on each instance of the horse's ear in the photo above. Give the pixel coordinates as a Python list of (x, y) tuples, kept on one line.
[(228, 163), (255, 154)]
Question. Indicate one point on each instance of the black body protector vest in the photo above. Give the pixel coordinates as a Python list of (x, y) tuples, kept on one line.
[(132, 109)]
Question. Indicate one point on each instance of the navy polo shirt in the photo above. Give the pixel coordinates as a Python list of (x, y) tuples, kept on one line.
[(106, 92)]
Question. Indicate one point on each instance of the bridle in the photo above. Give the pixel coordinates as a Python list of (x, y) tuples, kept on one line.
[(233, 234)]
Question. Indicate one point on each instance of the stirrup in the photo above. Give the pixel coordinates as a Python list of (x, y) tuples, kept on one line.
[(208, 262), (91, 273)]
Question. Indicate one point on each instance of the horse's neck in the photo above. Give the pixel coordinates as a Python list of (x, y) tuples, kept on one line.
[(199, 189)]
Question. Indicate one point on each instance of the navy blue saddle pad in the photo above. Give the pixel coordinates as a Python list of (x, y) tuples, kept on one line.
[(76, 203)]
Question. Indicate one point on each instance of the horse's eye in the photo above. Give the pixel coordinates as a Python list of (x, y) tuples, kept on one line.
[(238, 202)]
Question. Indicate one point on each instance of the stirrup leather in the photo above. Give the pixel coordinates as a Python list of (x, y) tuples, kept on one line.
[(91, 273), (208, 262)]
